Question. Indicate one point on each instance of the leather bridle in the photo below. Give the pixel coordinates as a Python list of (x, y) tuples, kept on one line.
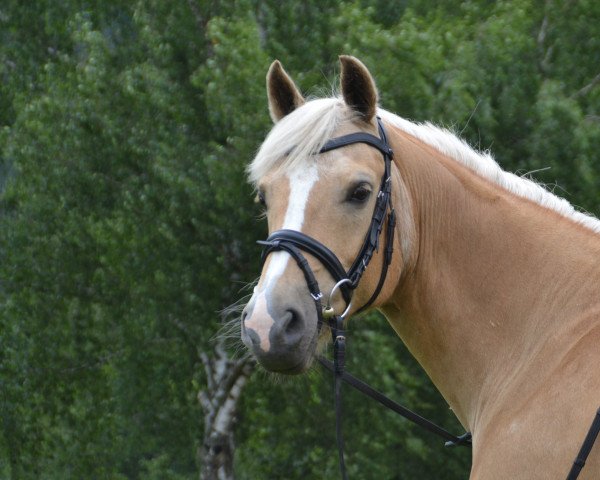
[(294, 242)]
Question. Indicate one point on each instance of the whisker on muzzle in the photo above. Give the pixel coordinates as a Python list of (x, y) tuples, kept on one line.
[(230, 331)]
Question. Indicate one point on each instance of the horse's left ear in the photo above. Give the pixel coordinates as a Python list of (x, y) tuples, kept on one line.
[(358, 87)]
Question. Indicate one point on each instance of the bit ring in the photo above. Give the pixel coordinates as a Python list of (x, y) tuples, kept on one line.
[(336, 287)]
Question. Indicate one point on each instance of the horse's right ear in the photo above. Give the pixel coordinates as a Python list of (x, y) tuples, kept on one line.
[(358, 87), (284, 96)]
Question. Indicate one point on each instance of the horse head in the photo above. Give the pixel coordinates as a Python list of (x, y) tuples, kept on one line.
[(327, 203)]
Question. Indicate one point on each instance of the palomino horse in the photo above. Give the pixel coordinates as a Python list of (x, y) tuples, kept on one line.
[(493, 283)]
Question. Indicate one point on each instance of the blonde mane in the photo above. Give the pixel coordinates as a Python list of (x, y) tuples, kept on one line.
[(484, 165), (302, 133)]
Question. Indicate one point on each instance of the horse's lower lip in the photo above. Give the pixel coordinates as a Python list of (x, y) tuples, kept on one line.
[(300, 367)]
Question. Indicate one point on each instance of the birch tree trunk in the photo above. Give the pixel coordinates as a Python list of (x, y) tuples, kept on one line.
[(226, 379)]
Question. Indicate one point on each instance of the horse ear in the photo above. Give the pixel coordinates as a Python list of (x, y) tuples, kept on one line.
[(358, 87), (284, 96)]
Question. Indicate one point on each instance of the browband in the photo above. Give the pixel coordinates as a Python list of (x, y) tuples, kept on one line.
[(359, 137)]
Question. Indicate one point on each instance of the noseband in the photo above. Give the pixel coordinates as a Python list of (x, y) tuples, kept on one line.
[(294, 242)]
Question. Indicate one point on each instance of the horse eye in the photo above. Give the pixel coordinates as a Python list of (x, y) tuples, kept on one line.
[(260, 198), (360, 194)]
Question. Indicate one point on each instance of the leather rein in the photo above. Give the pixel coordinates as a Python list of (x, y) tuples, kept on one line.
[(295, 242)]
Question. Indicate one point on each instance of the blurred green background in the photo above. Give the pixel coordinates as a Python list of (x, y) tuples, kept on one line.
[(127, 224)]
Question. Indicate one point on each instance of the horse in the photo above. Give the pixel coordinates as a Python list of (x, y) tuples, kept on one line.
[(493, 283)]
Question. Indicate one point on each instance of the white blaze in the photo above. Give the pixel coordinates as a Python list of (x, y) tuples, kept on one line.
[(301, 181)]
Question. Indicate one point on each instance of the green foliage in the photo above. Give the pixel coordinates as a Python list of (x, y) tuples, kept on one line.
[(126, 223)]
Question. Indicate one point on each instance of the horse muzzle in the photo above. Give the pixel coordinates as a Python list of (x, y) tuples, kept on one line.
[(281, 335)]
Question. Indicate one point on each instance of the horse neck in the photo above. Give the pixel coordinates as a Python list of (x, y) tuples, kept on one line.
[(491, 278)]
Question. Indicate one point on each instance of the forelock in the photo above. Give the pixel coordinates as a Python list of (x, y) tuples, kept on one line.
[(299, 136)]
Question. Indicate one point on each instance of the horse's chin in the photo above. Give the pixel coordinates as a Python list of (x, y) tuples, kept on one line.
[(298, 369), (299, 364), (295, 367)]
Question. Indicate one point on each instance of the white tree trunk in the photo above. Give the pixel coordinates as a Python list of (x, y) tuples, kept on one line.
[(226, 379)]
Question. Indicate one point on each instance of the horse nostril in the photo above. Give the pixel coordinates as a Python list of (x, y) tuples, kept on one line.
[(250, 338), (293, 324)]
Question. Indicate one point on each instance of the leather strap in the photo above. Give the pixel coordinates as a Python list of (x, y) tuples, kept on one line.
[(338, 337), (362, 387), (358, 137), (586, 448), (387, 259), (312, 246), (311, 281)]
